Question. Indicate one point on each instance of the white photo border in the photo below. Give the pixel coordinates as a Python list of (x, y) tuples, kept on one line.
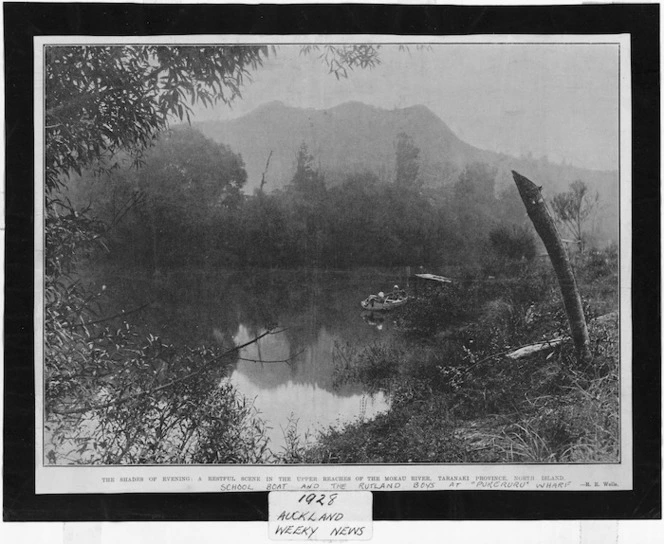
[(384, 477)]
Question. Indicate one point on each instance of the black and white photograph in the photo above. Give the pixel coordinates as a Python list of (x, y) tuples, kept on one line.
[(399, 262)]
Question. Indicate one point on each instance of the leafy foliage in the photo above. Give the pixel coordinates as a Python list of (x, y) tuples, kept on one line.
[(124, 400), (307, 180), (339, 59), (104, 99), (574, 208), (174, 206), (363, 221), (407, 166), (111, 396), (509, 248), (474, 207), (515, 244), (599, 264)]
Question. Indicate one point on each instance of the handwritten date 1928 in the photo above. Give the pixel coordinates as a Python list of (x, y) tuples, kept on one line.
[(319, 498)]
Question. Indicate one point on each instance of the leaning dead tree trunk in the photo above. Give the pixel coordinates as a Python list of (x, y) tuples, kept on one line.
[(267, 165), (531, 195)]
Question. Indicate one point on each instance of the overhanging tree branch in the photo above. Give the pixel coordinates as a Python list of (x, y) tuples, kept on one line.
[(119, 314), (89, 407)]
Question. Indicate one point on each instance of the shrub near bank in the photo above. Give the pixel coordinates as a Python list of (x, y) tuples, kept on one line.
[(456, 397)]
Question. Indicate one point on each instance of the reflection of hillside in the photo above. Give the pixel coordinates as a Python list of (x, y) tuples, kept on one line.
[(313, 365), (315, 308), (225, 308)]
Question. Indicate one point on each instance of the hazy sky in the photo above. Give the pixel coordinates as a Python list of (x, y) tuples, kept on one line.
[(554, 100)]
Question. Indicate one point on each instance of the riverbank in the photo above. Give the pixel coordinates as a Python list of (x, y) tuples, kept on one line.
[(456, 396), (429, 383)]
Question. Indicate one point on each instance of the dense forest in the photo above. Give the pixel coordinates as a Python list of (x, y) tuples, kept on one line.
[(185, 205)]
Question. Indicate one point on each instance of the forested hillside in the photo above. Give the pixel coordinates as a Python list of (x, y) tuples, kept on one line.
[(355, 137), (185, 205)]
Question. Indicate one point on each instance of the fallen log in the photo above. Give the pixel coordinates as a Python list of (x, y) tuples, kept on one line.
[(531, 349)]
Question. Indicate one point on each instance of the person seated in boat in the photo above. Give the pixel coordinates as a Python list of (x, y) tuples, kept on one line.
[(399, 293), (373, 299)]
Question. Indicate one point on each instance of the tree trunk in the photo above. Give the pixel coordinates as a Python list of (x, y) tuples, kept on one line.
[(546, 228)]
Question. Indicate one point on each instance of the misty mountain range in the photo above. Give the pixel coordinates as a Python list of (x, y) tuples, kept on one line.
[(355, 137)]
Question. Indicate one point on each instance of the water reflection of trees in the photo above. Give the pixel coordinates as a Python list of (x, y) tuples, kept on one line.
[(319, 308), (122, 396), (313, 306)]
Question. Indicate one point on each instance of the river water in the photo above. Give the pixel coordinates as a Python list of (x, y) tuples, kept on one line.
[(288, 375)]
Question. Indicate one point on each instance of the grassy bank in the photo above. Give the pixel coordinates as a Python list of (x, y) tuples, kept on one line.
[(456, 397)]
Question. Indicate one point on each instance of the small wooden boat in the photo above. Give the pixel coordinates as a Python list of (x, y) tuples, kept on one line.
[(379, 304)]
